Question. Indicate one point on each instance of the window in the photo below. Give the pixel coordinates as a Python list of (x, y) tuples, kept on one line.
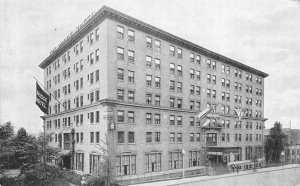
[(94, 164), (227, 83), (149, 42), (208, 78), (192, 121), (192, 57), (214, 66), (148, 118), (179, 70), (97, 116), (120, 32), (92, 117), (120, 74), (198, 90), (120, 53), (227, 70), (179, 103), (120, 116), (198, 136), (214, 93), (148, 137), (175, 160), (172, 67), (192, 73), (97, 75), (192, 137), (130, 56), (130, 96), (208, 62), (172, 137), (192, 89), (198, 75), (149, 98), (191, 105), (235, 72), (157, 137), (157, 64), (223, 136), (198, 59), (179, 120), (179, 137), (179, 52), (214, 80), (97, 55), (131, 35), (148, 61), (92, 137), (208, 92), (172, 85), (157, 100), (179, 86), (172, 102), (240, 74), (172, 120), (172, 50), (130, 137), (130, 76), (148, 80), (130, 116), (153, 162), (197, 105), (157, 82), (91, 78), (157, 45), (240, 86), (120, 95), (121, 137), (126, 165), (91, 38), (79, 161), (157, 119)]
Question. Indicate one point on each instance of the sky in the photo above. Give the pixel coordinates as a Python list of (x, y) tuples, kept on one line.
[(264, 34)]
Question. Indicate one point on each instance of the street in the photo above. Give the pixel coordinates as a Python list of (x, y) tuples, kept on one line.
[(288, 175)]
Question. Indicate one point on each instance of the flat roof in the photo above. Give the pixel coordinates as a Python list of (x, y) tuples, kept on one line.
[(106, 12)]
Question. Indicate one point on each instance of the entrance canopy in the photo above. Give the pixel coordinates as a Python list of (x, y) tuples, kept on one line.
[(222, 150)]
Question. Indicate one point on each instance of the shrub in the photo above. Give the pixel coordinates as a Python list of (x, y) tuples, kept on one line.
[(71, 177), (96, 181)]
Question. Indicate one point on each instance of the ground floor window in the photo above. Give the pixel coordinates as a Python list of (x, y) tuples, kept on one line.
[(79, 161), (194, 158), (175, 160), (153, 162), (248, 152), (126, 165), (94, 164)]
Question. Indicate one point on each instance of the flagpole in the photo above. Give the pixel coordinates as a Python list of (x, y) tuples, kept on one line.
[(49, 92)]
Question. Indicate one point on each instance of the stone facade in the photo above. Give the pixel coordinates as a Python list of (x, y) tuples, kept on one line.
[(141, 94)]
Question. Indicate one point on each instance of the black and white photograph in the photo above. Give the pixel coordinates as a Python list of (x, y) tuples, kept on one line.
[(149, 93)]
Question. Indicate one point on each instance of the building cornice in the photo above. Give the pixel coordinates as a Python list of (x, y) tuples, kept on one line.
[(107, 12)]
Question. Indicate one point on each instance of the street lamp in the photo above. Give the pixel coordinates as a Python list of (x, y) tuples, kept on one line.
[(182, 163)]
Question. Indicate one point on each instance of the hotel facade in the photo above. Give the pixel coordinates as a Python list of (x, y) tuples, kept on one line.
[(136, 90)]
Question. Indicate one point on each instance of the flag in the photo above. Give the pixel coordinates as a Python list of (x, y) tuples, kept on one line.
[(239, 113), (204, 112), (42, 99)]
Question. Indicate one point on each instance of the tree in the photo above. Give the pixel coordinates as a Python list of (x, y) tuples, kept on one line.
[(274, 144), (6, 131), (7, 150)]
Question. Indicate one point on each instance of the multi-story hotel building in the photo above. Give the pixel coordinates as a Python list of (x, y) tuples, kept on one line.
[(141, 88)]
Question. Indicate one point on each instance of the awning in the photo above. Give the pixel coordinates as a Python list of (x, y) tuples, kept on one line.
[(222, 150)]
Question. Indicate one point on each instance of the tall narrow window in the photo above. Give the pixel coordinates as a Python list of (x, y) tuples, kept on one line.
[(120, 32), (131, 35)]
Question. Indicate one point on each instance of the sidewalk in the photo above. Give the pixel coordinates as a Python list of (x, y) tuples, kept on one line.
[(205, 178)]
